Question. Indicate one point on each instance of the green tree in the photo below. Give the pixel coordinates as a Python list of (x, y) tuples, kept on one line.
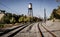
[(5, 19), (12, 20), (55, 13), (21, 19)]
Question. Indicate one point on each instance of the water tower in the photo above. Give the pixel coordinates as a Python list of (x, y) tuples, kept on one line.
[(30, 11)]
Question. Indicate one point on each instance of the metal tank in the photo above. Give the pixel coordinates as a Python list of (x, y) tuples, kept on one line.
[(30, 5), (30, 11)]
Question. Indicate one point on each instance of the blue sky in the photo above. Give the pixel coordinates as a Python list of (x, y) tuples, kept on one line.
[(21, 6)]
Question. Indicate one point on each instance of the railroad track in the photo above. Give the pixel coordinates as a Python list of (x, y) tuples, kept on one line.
[(7, 31), (11, 33), (41, 33), (14, 31)]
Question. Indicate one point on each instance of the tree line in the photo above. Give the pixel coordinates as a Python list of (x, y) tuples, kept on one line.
[(13, 18), (55, 13)]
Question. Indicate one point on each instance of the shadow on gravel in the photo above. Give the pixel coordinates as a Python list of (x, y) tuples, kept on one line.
[(30, 28), (51, 31)]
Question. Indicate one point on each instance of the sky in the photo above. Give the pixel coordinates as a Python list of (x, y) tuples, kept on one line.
[(21, 6)]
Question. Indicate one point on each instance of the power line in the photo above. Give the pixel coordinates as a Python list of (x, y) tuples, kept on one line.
[(7, 7)]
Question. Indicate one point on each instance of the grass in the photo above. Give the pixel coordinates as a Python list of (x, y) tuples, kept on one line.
[(1, 25)]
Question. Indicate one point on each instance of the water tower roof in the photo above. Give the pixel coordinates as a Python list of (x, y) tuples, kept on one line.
[(30, 3)]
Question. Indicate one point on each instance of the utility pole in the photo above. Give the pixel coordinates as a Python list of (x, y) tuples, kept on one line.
[(44, 15)]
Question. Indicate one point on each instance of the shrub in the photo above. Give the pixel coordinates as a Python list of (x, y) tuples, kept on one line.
[(1, 25)]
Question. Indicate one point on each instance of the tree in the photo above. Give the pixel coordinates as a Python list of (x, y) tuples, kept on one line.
[(12, 20), (21, 19), (5, 19), (55, 13)]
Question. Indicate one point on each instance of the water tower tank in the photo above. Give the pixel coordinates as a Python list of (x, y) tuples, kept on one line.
[(30, 5)]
